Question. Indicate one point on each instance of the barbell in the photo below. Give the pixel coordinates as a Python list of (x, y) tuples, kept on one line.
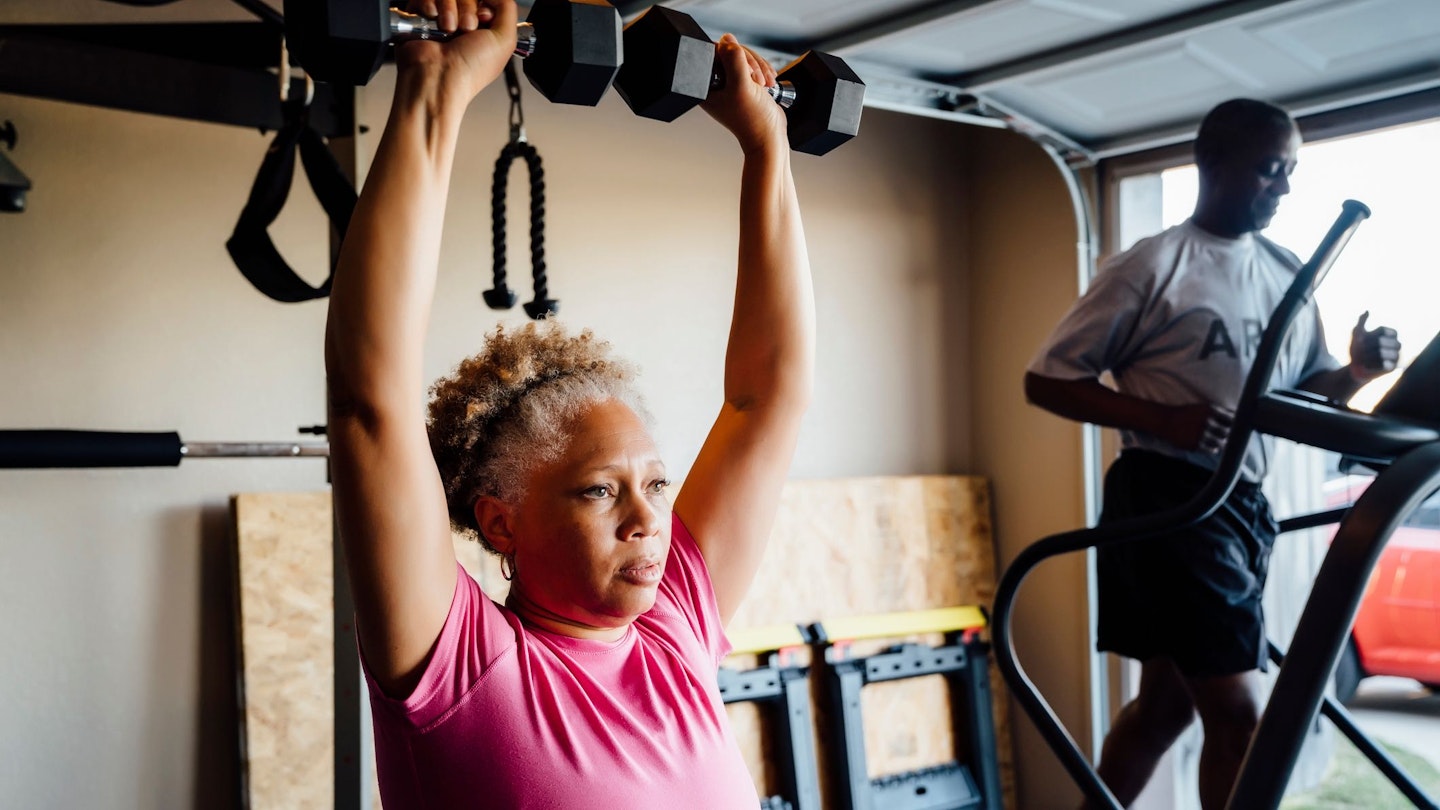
[(52, 449)]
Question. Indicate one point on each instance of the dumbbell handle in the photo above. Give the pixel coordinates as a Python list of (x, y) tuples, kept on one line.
[(405, 26), (783, 92)]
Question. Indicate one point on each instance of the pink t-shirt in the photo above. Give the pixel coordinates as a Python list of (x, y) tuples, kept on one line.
[(507, 715)]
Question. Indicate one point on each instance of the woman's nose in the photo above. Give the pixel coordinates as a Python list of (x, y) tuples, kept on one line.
[(645, 518)]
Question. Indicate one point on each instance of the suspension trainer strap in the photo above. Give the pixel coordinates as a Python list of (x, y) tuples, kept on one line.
[(250, 245)]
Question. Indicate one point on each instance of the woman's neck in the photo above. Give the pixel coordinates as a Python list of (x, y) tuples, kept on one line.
[(531, 612)]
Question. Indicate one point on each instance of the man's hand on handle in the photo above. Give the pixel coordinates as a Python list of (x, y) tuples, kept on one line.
[(1200, 426), (1373, 352)]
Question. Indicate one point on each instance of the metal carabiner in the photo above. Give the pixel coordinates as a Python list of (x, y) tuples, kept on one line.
[(285, 77), (517, 112)]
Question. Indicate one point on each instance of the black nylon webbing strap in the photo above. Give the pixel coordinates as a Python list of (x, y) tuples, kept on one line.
[(250, 245)]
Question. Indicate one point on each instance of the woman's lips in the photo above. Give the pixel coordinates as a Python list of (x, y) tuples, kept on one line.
[(643, 574)]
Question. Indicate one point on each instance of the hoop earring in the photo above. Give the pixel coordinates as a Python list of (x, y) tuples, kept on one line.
[(507, 567)]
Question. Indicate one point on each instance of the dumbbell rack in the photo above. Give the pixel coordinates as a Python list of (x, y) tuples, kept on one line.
[(963, 659)]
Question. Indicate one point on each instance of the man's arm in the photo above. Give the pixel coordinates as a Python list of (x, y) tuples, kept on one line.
[(1336, 385), (732, 492), (390, 505), (1373, 354), (1200, 426)]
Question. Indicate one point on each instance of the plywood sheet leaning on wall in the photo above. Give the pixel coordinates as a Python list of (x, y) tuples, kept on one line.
[(286, 599), (845, 547), (860, 546), (283, 561)]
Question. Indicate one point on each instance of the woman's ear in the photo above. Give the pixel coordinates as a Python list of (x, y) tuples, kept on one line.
[(496, 521)]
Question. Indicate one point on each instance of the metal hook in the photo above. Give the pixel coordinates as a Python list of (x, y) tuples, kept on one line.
[(517, 112), (285, 76)]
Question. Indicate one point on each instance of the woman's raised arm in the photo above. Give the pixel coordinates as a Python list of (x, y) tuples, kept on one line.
[(733, 490), (393, 523)]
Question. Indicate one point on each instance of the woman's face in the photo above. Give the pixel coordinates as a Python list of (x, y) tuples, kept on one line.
[(592, 532)]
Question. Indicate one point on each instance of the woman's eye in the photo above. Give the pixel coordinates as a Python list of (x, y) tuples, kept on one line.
[(659, 486), (598, 491)]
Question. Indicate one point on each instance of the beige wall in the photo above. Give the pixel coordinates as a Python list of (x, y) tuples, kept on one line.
[(1023, 276), (119, 309)]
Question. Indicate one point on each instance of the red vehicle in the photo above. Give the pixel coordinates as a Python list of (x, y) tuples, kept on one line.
[(1397, 630)]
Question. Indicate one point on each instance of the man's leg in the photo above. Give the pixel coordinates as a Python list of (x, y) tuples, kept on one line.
[(1229, 707), (1145, 729)]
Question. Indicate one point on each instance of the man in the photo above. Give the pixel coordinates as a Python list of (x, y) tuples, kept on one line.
[(1176, 320)]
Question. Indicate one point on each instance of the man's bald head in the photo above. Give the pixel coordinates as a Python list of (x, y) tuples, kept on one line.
[(1245, 150), (1233, 127)]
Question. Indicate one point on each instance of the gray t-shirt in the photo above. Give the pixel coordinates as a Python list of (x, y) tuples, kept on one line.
[(1176, 319)]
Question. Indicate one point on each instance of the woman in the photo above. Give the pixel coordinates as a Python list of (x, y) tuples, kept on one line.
[(594, 685)]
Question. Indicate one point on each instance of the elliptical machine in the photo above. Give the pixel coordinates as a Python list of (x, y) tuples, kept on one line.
[(1406, 455)]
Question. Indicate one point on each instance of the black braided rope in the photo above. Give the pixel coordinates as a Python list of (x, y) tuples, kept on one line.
[(537, 221), (542, 305), (498, 189)]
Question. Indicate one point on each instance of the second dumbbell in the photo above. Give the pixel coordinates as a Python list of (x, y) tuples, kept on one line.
[(671, 67)]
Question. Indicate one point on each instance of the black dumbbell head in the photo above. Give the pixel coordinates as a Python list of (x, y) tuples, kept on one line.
[(829, 98), (338, 41), (668, 64), (577, 50)]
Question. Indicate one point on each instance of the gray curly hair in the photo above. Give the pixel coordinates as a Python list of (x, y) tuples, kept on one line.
[(507, 410)]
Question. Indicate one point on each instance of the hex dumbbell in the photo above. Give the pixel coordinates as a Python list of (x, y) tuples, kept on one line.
[(670, 67), (572, 48)]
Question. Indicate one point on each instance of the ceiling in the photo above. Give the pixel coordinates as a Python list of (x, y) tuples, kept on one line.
[(1100, 78), (1093, 78)]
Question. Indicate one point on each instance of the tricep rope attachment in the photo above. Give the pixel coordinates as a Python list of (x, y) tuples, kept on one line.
[(500, 296)]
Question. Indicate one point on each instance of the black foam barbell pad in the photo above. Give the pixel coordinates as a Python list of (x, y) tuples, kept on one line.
[(46, 449)]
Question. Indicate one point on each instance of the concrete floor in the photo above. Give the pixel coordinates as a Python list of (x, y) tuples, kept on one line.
[(1400, 712)]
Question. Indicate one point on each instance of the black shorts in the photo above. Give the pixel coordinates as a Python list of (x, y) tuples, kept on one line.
[(1192, 596)]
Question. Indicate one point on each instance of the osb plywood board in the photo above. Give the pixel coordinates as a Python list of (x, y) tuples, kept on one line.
[(840, 548), (283, 558), (285, 617), (859, 546)]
